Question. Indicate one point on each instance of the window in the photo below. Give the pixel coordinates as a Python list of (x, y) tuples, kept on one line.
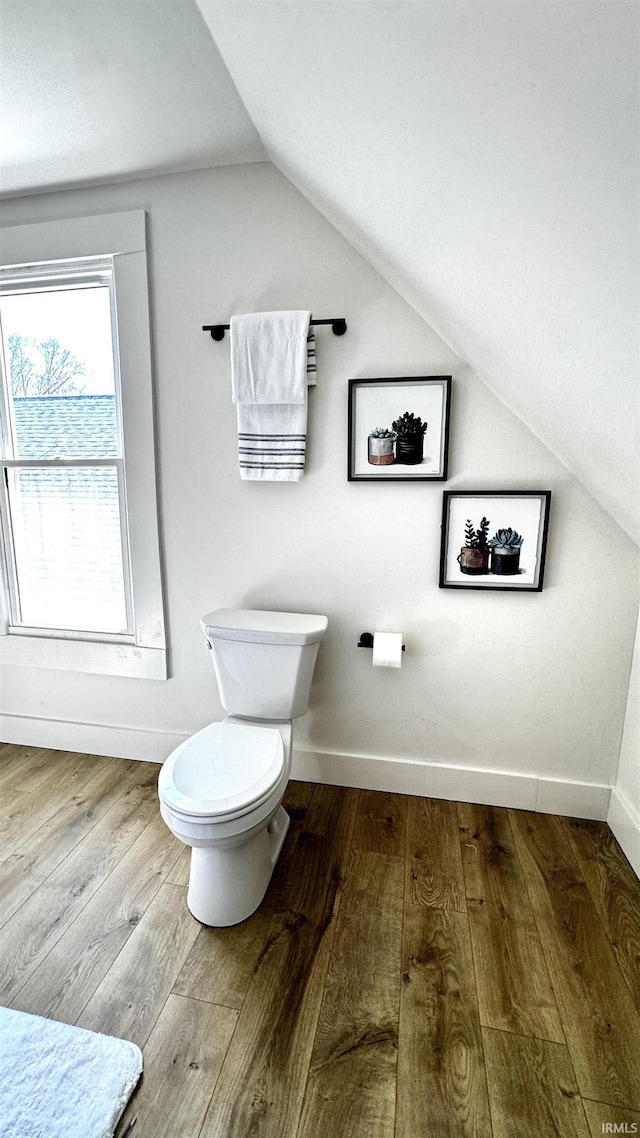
[(65, 525), (81, 569)]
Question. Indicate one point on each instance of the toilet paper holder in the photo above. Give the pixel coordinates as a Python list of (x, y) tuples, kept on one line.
[(366, 641)]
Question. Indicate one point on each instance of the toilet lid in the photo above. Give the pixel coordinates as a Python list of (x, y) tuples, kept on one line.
[(223, 768)]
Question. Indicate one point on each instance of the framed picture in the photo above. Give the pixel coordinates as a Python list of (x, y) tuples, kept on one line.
[(494, 539), (399, 428)]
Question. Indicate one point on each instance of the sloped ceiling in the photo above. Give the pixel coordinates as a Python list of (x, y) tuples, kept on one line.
[(95, 90), (483, 155)]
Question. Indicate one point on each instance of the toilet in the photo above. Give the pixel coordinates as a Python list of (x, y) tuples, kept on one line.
[(221, 790)]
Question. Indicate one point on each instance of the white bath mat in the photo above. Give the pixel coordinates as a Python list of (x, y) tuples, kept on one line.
[(58, 1081)]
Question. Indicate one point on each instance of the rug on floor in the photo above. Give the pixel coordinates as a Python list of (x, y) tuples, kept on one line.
[(58, 1081)]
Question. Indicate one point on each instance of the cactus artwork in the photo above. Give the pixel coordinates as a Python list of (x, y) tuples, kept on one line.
[(403, 443), (410, 431), (505, 552), (388, 421), (381, 448), (494, 539), (409, 426), (507, 539)]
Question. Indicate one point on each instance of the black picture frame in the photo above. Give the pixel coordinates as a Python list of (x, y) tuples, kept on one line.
[(518, 523), (425, 397)]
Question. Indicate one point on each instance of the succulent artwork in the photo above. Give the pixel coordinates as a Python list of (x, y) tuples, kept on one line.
[(409, 426), (477, 538), (507, 540), (381, 447)]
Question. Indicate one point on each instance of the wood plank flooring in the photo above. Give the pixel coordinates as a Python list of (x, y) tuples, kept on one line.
[(417, 969)]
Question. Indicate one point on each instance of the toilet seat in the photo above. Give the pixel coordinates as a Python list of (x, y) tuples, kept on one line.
[(223, 771)]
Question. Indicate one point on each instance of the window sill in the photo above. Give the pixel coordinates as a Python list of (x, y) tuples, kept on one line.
[(115, 659)]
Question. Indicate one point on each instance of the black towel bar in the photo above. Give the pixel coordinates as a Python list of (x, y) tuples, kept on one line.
[(338, 326)]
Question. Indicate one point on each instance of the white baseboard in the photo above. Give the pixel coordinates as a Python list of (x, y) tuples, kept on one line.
[(90, 738), (625, 823), (369, 772), (457, 783), (573, 799)]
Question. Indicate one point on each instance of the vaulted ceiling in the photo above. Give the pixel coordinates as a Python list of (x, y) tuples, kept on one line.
[(482, 154), (99, 90)]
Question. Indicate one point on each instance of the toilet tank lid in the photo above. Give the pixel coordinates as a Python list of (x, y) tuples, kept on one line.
[(263, 627)]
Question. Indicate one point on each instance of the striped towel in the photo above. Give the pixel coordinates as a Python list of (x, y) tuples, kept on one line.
[(272, 436)]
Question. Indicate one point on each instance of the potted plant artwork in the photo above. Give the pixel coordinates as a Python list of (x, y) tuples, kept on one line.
[(488, 562), (381, 447), (474, 555), (410, 431), (505, 552), (395, 450)]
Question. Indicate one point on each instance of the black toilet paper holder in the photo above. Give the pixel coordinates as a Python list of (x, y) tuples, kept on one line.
[(366, 641)]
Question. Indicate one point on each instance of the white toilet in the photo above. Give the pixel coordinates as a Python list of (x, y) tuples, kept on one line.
[(221, 790)]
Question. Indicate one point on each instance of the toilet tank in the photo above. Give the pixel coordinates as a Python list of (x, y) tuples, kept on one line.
[(263, 660)]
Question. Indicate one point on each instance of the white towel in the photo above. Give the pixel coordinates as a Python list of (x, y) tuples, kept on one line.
[(272, 433), (269, 357)]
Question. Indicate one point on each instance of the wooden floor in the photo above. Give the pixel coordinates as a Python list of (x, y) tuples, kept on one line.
[(418, 967)]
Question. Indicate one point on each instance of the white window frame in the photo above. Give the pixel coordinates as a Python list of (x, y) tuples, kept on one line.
[(121, 236)]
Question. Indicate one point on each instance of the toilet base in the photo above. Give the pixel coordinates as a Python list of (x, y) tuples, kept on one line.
[(227, 885)]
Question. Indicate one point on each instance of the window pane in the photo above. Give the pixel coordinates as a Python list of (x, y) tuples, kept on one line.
[(66, 530), (58, 350)]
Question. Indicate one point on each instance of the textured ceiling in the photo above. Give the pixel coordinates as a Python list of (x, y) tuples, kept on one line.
[(483, 156), (95, 90)]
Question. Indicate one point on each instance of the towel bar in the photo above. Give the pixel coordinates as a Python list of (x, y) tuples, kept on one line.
[(338, 326)]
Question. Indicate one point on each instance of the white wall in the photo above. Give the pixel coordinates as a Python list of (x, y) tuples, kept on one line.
[(484, 157), (624, 811), (529, 683)]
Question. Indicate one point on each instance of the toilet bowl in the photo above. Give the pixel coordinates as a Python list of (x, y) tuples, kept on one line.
[(220, 793), (221, 790)]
